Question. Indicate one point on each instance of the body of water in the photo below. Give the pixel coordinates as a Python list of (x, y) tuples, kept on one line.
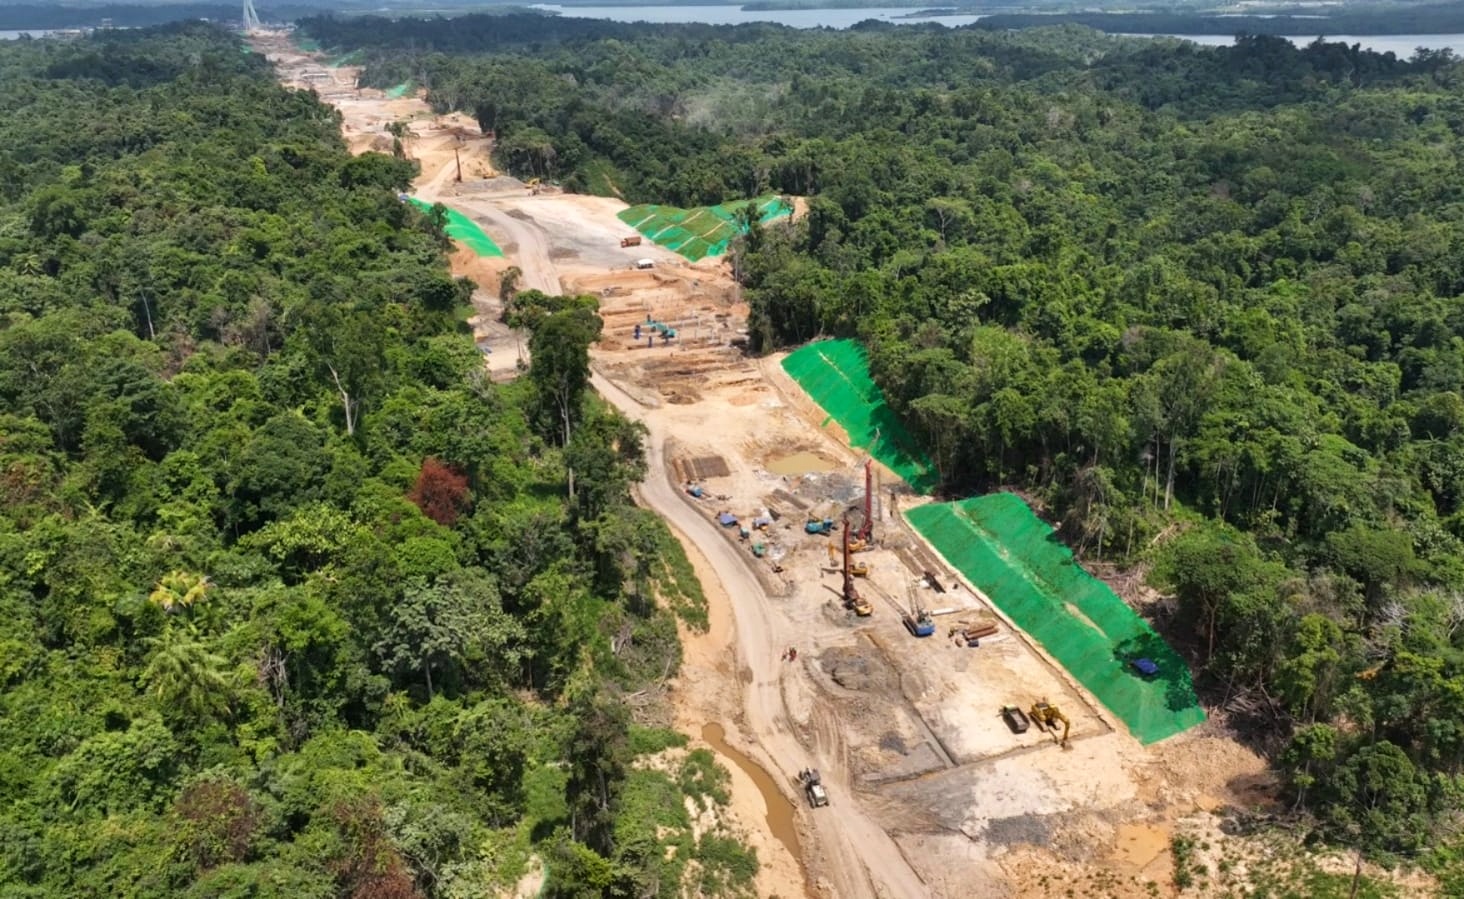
[(1402, 45), (735, 15), (37, 32)]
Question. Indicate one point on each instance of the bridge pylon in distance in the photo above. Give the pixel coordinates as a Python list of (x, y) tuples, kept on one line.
[(251, 18)]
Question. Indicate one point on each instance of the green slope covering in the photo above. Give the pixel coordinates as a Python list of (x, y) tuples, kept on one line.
[(400, 91), (345, 59), (701, 231), (836, 374), (999, 545), (464, 230)]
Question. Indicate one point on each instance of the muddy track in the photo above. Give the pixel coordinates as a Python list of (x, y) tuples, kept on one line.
[(855, 854)]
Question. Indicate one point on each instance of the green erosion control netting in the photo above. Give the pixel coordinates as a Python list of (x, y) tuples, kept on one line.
[(345, 59), (1007, 552), (400, 91), (700, 232), (836, 374), (464, 230)]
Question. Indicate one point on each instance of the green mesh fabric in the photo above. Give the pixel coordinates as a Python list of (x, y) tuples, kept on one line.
[(464, 230), (836, 374), (1004, 549), (347, 59), (400, 91), (700, 232)]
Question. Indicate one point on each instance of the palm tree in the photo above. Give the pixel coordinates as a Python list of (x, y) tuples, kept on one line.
[(183, 675)]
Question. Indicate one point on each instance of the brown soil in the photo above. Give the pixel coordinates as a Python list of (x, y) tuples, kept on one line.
[(931, 795)]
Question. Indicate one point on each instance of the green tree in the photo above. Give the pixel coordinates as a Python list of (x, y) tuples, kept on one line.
[(186, 678)]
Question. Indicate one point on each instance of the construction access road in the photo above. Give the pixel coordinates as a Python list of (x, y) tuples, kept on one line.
[(860, 858), (930, 794)]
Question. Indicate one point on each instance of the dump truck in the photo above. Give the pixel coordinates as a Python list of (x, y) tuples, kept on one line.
[(1015, 718), (813, 787), (630, 241)]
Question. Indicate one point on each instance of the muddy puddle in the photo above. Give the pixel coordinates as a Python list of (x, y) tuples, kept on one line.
[(780, 810), (1140, 844), (795, 464)]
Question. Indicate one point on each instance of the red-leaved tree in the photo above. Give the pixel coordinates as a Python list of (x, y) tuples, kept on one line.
[(368, 865), (441, 492)]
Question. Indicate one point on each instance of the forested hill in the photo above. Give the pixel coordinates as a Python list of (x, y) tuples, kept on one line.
[(1206, 306), (292, 602)]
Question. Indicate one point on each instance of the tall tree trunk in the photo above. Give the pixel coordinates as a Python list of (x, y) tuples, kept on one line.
[(564, 415), (1169, 475), (346, 403)]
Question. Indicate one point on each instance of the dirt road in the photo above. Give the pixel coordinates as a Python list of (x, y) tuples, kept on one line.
[(859, 857), (528, 244)]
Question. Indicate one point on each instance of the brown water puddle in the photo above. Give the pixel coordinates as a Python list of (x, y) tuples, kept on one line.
[(796, 464), (780, 810), (1140, 845)]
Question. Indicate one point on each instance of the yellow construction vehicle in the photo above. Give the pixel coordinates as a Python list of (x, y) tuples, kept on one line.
[(1046, 716), (852, 599), (858, 569)]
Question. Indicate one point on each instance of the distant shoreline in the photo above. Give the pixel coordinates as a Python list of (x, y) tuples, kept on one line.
[(1439, 19), (1434, 19)]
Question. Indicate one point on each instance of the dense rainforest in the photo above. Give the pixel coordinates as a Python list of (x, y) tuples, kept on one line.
[(1202, 305), (293, 602)]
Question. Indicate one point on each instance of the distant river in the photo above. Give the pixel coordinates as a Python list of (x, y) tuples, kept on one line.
[(1402, 45), (735, 15)]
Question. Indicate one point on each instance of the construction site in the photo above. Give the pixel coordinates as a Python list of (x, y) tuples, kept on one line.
[(979, 716)]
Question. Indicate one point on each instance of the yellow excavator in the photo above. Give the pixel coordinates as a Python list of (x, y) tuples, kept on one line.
[(858, 569), (1046, 716)]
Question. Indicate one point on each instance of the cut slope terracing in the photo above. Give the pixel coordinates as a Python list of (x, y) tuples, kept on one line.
[(700, 232), (464, 230), (1008, 553), (836, 374)]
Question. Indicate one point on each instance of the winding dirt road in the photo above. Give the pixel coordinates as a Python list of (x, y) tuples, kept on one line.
[(854, 853), (859, 857), (532, 254)]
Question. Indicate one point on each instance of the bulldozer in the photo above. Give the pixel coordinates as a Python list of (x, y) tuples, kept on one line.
[(1045, 716)]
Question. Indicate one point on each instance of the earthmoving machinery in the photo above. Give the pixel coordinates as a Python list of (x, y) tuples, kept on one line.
[(852, 599), (858, 569), (1015, 718), (819, 526), (813, 787), (1046, 716), (917, 621), (630, 241)]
